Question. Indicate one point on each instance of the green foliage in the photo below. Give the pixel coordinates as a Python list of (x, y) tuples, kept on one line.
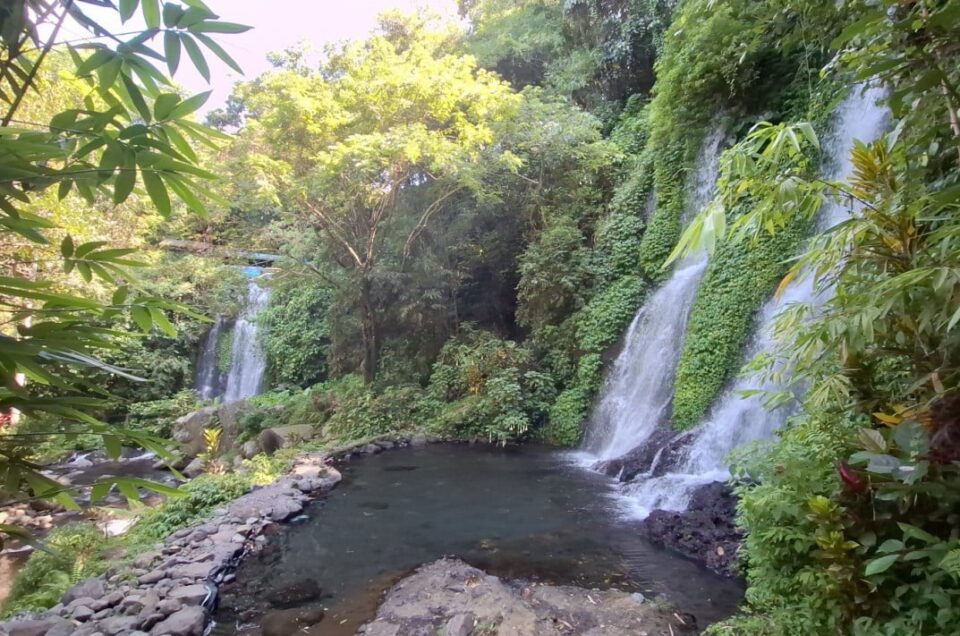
[(201, 496), (296, 333), (225, 351), (739, 279), (157, 417), (607, 315), (73, 553), (553, 275), (566, 415)]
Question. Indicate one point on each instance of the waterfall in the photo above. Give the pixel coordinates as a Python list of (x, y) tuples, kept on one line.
[(735, 419), (636, 396), (247, 362), (209, 381)]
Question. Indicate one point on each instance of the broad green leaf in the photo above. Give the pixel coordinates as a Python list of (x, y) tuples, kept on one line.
[(881, 564), (157, 191), (218, 50), (196, 56), (161, 321), (171, 50), (189, 105), (113, 446), (171, 14), (66, 246), (126, 178), (210, 26), (127, 9), (151, 13), (141, 316)]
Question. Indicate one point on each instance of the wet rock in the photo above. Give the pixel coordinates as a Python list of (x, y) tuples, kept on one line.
[(705, 532), (294, 593), (287, 622), (90, 588), (656, 456), (186, 622), (418, 439)]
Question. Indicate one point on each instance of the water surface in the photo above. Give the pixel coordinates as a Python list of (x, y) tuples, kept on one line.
[(526, 513)]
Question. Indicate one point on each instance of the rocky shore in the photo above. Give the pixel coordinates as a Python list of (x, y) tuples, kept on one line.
[(705, 532), (170, 590), (451, 598)]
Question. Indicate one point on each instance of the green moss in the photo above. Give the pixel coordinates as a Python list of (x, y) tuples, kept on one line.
[(565, 418), (739, 279), (225, 351)]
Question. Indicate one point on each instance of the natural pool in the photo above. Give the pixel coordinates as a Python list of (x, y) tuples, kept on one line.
[(517, 513)]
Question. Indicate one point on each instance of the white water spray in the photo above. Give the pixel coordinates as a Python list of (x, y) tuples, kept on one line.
[(737, 420), (637, 393), (247, 362)]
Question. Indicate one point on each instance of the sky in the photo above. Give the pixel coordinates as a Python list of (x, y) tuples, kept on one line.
[(279, 24)]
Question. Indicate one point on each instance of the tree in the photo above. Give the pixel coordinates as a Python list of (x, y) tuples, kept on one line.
[(397, 114), (129, 126)]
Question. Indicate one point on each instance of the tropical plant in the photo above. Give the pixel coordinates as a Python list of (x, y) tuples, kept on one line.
[(131, 125)]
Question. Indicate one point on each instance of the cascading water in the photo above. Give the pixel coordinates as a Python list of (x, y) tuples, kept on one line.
[(737, 419), (247, 363), (209, 382), (637, 393)]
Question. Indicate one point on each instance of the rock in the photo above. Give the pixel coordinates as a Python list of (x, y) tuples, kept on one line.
[(118, 624), (188, 430), (189, 621), (168, 606), (460, 625), (293, 433), (287, 622), (706, 531), (656, 456), (269, 441), (66, 628), (418, 439), (109, 600), (195, 468), (249, 449), (372, 449), (82, 613), (449, 598), (151, 577), (91, 588), (189, 594), (294, 593), (37, 627)]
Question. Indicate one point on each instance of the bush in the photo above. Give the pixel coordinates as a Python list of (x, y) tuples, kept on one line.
[(202, 495), (565, 418), (157, 416), (73, 553), (296, 333), (607, 315)]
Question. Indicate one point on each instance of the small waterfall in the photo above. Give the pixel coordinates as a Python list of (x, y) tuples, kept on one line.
[(637, 393), (736, 420), (247, 362), (209, 382)]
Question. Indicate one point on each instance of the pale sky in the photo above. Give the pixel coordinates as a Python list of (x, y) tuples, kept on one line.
[(279, 24)]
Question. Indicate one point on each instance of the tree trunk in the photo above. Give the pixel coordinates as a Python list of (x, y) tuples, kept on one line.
[(369, 333)]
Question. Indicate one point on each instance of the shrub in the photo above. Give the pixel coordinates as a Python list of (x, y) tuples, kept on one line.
[(202, 496), (73, 553), (157, 416), (565, 418), (605, 317)]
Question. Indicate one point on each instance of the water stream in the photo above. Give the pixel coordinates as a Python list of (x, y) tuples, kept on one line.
[(247, 363), (737, 419), (517, 513), (636, 397)]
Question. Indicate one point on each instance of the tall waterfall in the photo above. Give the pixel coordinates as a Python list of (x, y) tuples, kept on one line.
[(736, 420), (209, 381), (247, 363), (637, 393)]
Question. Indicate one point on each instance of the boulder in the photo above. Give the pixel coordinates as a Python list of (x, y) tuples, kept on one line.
[(249, 449), (37, 627), (269, 441), (293, 433), (189, 621), (189, 594), (195, 468), (188, 430), (89, 588)]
